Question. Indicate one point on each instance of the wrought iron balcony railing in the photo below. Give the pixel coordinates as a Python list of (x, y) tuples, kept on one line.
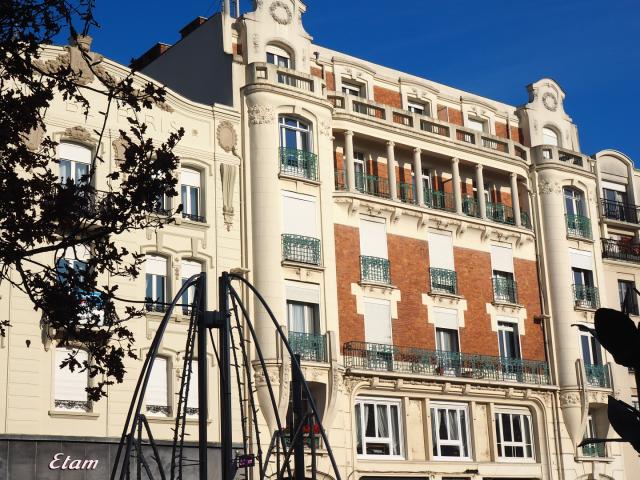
[(439, 200), (194, 217), (578, 226), (310, 346), (586, 296), (374, 269), (406, 192), (155, 306), (505, 290), (501, 213), (598, 375), (297, 248), (470, 206), (373, 185), (341, 180), (624, 212), (298, 163), (443, 281), (594, 450), (392, 358), (617, 250)]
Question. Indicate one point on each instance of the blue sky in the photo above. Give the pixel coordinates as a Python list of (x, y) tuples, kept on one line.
[(492, 48)]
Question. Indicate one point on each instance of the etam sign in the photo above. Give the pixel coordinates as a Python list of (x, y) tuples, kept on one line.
[(60, 462)]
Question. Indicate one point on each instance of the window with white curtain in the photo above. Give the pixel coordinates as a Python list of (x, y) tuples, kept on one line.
[(303, 307), (70, 387), (450, 431), (188, 268), (550, 137), (378, 428), (190, 191), (514, 435), (192, 399), (75, 161), (157, 396), (156, 282)]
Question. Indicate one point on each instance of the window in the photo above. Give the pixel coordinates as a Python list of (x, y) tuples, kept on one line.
[(377, 321), (360, 171), (504, 287), (157, 395), (302, 317), (374, 263), (70, 387), (615, 203), (156, 278), (447, 340), (574, 202), (303, 320), (591, 350), (449, 431), (441, 267), (514, 435), (278, 56), (352, 89), (192, 400), (300, 228), (508, 339), (72, 262), (294, 134), (476, 124), (378, 427), (418, 107), (593, 449), (582, 277), (188, 269), (628, 297), (549, 137), (75, 161), (190, 193)]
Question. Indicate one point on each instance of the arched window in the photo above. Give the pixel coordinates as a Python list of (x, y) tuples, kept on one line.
[(75, 161), (550, 137), (190, 190), (296, 157), (278, 56), (156, 283), (70, 386), (188, 268), (157, 395), (574, 202)]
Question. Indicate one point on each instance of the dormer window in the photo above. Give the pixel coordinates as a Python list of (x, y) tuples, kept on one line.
[(418, 108), (476, 124), (278, 56), (354, 89), (550, 137)]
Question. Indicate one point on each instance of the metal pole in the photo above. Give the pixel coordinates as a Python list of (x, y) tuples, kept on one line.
[(226, 435), (298, 418), (202, 380)]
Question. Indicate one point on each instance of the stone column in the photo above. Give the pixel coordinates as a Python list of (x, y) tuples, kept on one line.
[(457, 191), (515, 199), (350, 169), (482, 204), (391, 170), (417, 175)]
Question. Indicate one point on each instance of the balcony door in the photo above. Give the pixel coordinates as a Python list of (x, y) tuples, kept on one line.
[(615, 203), (360, 171)]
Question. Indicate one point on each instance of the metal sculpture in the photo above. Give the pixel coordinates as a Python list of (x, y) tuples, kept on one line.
[(235, 333)]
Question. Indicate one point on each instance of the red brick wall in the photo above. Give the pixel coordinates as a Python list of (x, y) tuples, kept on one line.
[(316, 72), (528, 295), (387, 97), (501, 130), (237, 48), (348, 272), (504, 196), (339, 161), (331, 81), (451, 115), (517, 135)]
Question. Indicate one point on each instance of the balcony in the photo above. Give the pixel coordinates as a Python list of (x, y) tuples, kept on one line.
[(470, 207), (525, 219), (298, 163), (410, 360), (443, 281), (439, 200), (297, 248), (598, 375), (266, 73), (311, 347), (375, 270), (505, 290), (596, 450), (551, 154), (406, 193), (623, 212), (501, 213), (578, 226), (618, 250), (373, 185), (586, 296)]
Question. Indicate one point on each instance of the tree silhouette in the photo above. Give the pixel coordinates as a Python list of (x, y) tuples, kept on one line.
[(46, 223)]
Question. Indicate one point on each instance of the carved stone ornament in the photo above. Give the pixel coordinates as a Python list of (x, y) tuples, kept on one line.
[(280, 12), (261, 114), (33, 139), (325, 129), (77, 58), (569, 399), (257, 4), (550, 102), (78, 133), (545, 187), (227, 136), (228, 178), (119, 149), (256, 42)]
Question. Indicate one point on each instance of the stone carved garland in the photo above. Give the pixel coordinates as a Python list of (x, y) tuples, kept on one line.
[(261, 114), (119, 149), (569, 399), (545, 187), (280, 12), (79, 133), (550, 102), (227, 136)]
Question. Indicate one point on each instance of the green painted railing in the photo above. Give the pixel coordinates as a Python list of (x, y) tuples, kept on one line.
[(406, 193), (501, 213), (309, 346), (443, 281), (505, 290), (392, 358), (598, 375), (594, 450), (439, 200), (299, 163), (470, 206), (373, 185), (341, 180), (578, 226), (586, 296), (297, 248), (525, 219), (374, 269)]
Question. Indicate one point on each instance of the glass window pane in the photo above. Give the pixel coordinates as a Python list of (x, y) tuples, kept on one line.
[(506, 428), (395, 430), (463, 433), (454, 433), (434, 428), (370, 422), (383, 421), (160, 282), (358, 429), (82, 169), (517, 428), (443, 433), (183, 198), (65, 171), (194, 198)]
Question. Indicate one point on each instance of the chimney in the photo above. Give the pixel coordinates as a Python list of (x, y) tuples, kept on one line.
[(191, 26), (149, 56)]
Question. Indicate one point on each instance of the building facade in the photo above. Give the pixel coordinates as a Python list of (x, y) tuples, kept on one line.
[(428, 251)]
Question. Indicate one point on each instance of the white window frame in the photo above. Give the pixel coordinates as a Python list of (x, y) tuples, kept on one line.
[(279, 54), (187, 270), (185, 193), (168, 384), (301, 128), (353, 89), (76, 155), (577, 199), (477, 124), (153, 299), (509, 325), (388, 402), (437, 442), (59, 354), (419, 107), (546, 137), (525, 422)]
